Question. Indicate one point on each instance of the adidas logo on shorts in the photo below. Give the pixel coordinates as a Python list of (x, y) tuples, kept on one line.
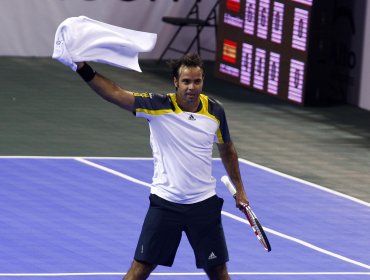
[(212, 256)]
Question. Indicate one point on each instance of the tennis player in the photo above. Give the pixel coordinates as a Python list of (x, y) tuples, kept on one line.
[(183, 127)]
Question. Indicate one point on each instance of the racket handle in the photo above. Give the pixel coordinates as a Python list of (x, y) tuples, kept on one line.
[(225, 179)]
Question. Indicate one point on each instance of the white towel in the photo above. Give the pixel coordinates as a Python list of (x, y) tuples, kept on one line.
[(83, 39)]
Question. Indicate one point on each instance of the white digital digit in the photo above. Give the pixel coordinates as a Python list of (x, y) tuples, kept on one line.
[(246, 64), (259, 69), (250, 16), (263, 19), (277, 22), (300, 29), (296, 79), (273, 74)]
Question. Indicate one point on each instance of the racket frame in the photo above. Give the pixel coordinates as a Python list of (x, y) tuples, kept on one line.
[(256, 227), (250, 215)]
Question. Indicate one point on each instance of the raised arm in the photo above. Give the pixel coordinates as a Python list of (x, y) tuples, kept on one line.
[(106, 88), (229, 158)]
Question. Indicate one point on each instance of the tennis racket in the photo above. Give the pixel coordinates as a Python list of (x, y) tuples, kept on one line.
[(251, 217)]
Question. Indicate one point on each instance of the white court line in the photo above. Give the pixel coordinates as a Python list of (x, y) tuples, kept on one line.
[(73, 157), (304, 182), (301, 242), (307, 183), (176, 274), (119, 174)]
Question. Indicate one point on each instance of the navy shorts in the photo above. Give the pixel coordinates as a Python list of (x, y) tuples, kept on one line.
[(163, 226)]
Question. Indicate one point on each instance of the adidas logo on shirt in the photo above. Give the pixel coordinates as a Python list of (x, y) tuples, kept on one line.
[(192, 118), (212, 256)]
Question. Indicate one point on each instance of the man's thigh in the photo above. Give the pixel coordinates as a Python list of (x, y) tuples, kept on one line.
[(205, 233), (160, 235)]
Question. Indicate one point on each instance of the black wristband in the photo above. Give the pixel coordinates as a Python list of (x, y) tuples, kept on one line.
[(86, 72)]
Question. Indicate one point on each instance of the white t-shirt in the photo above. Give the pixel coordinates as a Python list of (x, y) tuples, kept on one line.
[(182, 144)]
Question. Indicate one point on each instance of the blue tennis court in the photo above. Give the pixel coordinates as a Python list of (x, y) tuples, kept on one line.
[(79, 218)]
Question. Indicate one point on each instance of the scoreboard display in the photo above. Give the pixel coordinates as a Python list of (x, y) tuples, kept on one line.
[(263, 45)]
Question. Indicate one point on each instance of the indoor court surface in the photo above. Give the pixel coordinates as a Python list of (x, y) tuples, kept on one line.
[(79, 218), (75, 170)]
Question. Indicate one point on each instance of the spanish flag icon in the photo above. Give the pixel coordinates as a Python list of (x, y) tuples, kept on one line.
[(229, 51)]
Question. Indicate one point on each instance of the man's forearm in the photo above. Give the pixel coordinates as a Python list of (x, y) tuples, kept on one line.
[(106, 88), (229, 158)]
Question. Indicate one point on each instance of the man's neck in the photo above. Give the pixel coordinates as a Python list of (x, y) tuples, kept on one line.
[(188, 107)]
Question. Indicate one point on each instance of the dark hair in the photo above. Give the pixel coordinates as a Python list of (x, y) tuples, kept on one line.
[(188, 60)]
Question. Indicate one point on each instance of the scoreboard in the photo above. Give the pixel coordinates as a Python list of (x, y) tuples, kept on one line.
[(263, 45)]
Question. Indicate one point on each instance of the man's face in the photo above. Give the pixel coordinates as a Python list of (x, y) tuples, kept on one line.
[(189, 86)]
